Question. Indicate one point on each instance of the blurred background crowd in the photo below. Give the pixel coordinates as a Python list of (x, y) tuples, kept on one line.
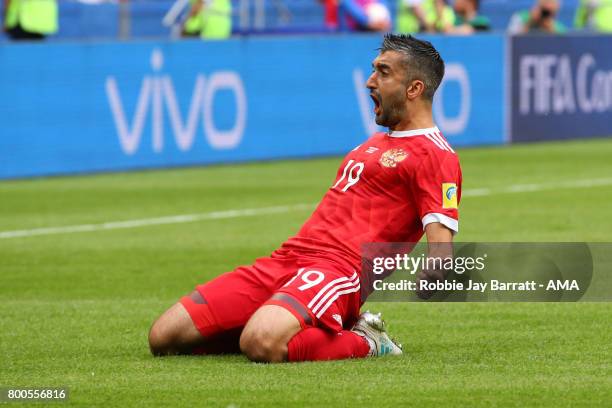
[(219, 19)]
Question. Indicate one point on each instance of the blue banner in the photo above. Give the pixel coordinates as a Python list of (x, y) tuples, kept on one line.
[(469, 105), (561, 87), (69, 108)]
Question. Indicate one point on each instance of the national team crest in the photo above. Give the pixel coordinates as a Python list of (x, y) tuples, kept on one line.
[(392, 157)]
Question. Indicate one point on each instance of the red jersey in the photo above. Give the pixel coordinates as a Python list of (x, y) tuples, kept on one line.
[(386, 190)]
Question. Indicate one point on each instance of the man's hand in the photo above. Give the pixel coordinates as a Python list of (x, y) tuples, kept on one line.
[(439, 240)]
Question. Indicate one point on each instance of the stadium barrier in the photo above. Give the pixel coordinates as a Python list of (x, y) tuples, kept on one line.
[(561, 87), (90, 107)]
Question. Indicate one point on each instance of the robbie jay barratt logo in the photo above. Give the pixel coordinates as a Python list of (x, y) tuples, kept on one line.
[(157, 91)]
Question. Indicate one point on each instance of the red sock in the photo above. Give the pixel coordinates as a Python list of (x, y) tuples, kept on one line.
[(314, 344)]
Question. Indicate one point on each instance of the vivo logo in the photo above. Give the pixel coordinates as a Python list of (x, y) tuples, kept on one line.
[(157, 92)]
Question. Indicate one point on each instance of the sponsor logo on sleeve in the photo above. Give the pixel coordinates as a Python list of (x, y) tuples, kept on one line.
[(449, 195)]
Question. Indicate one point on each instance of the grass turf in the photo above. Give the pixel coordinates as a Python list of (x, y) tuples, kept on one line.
[(75, 308)]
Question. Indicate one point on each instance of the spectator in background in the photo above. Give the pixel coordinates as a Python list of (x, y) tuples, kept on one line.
[(30, 19), (209, 19), (541, 18), (424, 15), (357, 15), (193, 24), (467, 19), (595, 15), (331, 13), (377, 14)]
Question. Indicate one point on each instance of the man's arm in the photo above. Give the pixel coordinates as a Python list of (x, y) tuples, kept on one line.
[(439, 245)]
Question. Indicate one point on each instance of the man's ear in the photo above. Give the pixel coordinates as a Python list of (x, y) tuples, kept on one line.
[(415, 89)]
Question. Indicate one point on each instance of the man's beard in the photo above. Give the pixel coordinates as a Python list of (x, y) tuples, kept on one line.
[(391, 113)]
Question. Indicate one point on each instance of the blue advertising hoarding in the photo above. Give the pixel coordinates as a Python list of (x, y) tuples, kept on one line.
[(68, 108), (561, 87)]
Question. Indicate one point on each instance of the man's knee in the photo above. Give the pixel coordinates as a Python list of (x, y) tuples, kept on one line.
[(161, 340), (262, 346), (173, 333), (265, 337)]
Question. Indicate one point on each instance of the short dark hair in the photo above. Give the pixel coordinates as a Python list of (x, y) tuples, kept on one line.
[(422, 60)]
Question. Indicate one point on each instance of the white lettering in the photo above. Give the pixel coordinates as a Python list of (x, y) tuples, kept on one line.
[(184, 133), (585, 62), (158, 91), (229, 138), (129, 139), (563, 89), (456, 125), (557, 285), (547, 85), (527, 82)]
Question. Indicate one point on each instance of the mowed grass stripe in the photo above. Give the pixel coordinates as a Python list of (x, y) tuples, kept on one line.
[(250, 212)]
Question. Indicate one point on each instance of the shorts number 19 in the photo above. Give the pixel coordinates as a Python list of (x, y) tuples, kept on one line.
[(310, 278)]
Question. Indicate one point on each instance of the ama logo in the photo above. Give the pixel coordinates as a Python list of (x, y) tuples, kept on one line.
[(157, 92)]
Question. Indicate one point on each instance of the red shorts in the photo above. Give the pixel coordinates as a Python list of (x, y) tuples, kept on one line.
[(318, 293)]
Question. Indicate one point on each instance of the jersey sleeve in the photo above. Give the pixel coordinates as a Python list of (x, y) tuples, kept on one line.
[(437, 190)]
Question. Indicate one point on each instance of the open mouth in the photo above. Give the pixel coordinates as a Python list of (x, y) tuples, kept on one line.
[(376, 100)]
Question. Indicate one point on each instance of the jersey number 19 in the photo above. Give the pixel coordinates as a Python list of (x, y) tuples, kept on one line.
[(352, 171)]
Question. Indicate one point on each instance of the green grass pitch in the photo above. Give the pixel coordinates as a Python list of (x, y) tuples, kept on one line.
[(75, 307)]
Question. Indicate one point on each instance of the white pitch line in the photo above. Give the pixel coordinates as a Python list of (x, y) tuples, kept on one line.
[(145, 222), (251, 212), (529, 188)]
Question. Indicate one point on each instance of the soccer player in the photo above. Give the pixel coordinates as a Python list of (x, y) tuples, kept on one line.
[(303, 301)]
